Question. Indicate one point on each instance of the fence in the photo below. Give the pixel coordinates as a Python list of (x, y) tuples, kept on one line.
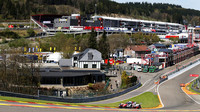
[(70, 100)]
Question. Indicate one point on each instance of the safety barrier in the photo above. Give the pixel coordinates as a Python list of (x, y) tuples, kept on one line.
[(70, 100), (166, 75)]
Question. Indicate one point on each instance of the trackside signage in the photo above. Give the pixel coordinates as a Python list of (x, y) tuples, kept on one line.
[(194, 75)]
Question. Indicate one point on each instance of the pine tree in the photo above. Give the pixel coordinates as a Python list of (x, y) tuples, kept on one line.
[(103, 46), (92, 42)]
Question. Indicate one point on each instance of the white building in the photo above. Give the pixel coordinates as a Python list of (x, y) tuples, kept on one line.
[(53, 57), (90, 58)]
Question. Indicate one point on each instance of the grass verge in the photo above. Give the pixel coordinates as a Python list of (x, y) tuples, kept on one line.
[(147, 100), (190, 88)]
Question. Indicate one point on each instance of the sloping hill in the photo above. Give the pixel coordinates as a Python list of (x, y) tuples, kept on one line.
[(22, 9)]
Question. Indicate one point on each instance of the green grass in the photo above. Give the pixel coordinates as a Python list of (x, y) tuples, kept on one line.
[(32, 100), (190, 88), (147, 100)]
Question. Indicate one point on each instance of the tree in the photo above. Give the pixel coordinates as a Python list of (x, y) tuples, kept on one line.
[(19, 43), (125, 80), (31, 32), (174, 40), (92, 42), (103, 46), (67, 46), (118, 41), (17, 73), (9, 34)]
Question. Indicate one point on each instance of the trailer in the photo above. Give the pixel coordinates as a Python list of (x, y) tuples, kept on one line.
[(145, 69)]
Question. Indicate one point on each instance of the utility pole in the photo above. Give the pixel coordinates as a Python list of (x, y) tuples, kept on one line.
[(95, 9)]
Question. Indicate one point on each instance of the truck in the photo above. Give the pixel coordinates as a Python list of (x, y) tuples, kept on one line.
[(152, 69)]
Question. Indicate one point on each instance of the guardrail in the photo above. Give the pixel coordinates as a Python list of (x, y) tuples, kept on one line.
[(177, 70)]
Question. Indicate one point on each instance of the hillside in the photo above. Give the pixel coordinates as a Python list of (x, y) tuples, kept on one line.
[(22, 9)]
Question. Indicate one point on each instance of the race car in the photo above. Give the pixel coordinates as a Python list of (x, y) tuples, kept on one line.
[(130, 104)]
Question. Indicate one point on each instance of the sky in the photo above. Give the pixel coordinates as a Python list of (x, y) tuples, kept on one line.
[(192, 4)]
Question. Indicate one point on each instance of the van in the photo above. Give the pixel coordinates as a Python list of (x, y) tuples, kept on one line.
[(139, 69)]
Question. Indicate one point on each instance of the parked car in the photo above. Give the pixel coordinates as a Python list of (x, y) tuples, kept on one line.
[(119, 61), (139, 69), (130, 104)]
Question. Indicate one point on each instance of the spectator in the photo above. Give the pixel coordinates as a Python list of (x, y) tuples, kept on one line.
[(111, 86)]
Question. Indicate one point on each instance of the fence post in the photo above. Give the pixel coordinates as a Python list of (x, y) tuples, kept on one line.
[(38, 93)]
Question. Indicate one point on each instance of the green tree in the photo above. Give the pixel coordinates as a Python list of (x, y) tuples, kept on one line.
[(174, 40), (125, 80), (64, 43), (31, 32), (9, 34), (118, 41), (103, 46), (19, 43), (92, 42)]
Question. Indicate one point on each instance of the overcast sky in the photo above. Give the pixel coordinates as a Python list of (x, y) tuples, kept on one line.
[(192, 4)]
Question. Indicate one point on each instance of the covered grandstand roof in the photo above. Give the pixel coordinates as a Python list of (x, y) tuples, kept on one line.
[(136, 20)]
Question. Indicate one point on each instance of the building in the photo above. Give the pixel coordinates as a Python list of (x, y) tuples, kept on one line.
[(173, 55), (61, 78), (157, 46), (81, 69), (136, 51), (88, 59)]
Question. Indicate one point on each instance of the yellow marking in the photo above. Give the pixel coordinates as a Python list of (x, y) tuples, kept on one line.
[(187, 91), (21, 102), (42, 103), (36, 106)]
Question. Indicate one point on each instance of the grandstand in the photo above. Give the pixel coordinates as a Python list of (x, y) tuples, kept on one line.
[(75, 23)]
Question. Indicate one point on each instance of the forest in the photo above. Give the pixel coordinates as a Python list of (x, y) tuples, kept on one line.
[(22, 9)]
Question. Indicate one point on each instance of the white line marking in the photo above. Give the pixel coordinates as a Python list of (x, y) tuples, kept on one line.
[(189, 95), (173, 76), (159, 95)]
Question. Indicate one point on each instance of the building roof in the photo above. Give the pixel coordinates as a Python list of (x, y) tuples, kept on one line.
[(65, 62), (157, 63), (165, 50), (70, 73), (159, 45), (139, 48), (82, 55)]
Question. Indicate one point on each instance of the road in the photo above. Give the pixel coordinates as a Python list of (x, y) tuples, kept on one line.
[(172, 95)]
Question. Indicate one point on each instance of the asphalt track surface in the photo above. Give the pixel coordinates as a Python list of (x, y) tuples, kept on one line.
[(172, 96)]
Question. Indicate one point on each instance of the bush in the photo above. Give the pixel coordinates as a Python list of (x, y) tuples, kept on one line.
[(90, 85), (31, 32), (19, 43), (9, 34), (125, 80), (98, 86)]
